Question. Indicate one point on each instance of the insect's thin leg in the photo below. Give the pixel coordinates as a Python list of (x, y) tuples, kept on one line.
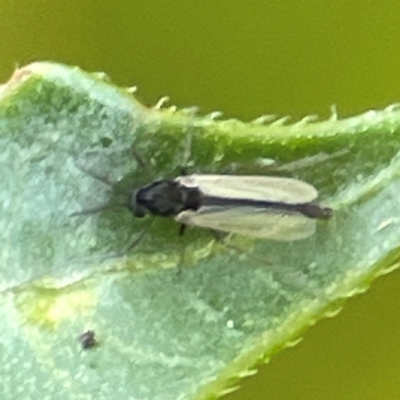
[(137, 240), (132, 245), (182, 229), (308, 162), (186, 154), (140, 160), (220, 238), (218, 235), (103, 179)]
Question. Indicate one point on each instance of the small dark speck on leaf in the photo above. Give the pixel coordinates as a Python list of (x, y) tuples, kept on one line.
[(88, 340), (106, 142)]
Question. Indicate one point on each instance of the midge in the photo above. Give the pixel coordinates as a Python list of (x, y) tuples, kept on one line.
[(282, 209)]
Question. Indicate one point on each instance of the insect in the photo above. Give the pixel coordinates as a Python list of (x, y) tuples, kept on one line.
[(282, 209)]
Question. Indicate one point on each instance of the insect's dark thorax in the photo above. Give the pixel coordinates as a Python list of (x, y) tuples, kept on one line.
[(169, 198)]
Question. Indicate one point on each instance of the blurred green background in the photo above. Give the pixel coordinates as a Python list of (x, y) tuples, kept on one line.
[(249, 58)]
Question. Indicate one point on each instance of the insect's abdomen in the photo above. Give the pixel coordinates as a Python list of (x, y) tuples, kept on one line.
[(314, 211)]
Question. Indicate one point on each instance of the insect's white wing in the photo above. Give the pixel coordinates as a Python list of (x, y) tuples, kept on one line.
[(269, 188), (248, 221)]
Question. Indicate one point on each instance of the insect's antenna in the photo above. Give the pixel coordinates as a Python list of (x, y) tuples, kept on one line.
[(97, 209)]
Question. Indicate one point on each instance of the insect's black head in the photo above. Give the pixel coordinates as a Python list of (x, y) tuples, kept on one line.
[(136, 209), (165, 197)]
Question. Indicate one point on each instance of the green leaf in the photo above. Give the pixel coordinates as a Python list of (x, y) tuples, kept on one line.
[(175, 317)]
